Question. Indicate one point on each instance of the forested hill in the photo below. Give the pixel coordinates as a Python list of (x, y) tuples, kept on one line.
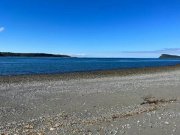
[(168, 56), (10, 54)]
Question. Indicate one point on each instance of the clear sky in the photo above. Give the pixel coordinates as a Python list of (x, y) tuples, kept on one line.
[(91, 28)]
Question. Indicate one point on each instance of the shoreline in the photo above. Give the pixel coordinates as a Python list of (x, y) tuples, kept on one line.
[(87, 74), (138, 101)]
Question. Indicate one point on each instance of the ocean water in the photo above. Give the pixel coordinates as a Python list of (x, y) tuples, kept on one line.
[(19, 66)]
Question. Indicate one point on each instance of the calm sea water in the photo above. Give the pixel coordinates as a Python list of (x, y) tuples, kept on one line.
[(19, 66)]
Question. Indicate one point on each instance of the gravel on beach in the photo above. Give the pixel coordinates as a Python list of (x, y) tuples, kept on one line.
[(113, 103)]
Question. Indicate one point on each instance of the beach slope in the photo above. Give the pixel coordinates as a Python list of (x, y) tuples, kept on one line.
[(132, 104)]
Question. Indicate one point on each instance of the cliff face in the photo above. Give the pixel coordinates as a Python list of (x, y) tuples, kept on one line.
[(168, 56), (9, 54)]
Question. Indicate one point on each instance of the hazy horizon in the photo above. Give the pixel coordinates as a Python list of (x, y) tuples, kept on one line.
[(84, 56)]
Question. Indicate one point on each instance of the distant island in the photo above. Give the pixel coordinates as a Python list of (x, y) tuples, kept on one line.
[(10, 54), (168, 56)]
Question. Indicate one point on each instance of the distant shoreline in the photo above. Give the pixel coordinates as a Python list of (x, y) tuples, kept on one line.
[(10, 54), (87, 74), (168, 56)]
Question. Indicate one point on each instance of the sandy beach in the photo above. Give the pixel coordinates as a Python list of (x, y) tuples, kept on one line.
[(129, 102)]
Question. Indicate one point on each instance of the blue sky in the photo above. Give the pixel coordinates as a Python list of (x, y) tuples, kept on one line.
[(91, 28)]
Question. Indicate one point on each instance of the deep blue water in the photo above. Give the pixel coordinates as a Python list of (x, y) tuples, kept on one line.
[(18, 66)]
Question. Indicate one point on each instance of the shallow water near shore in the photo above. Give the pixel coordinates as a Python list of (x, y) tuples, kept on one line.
[(26, 66)]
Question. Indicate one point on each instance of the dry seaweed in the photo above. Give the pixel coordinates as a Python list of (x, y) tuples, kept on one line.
[(153, 100)]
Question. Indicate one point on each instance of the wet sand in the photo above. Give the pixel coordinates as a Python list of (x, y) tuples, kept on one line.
[(101, 102)]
